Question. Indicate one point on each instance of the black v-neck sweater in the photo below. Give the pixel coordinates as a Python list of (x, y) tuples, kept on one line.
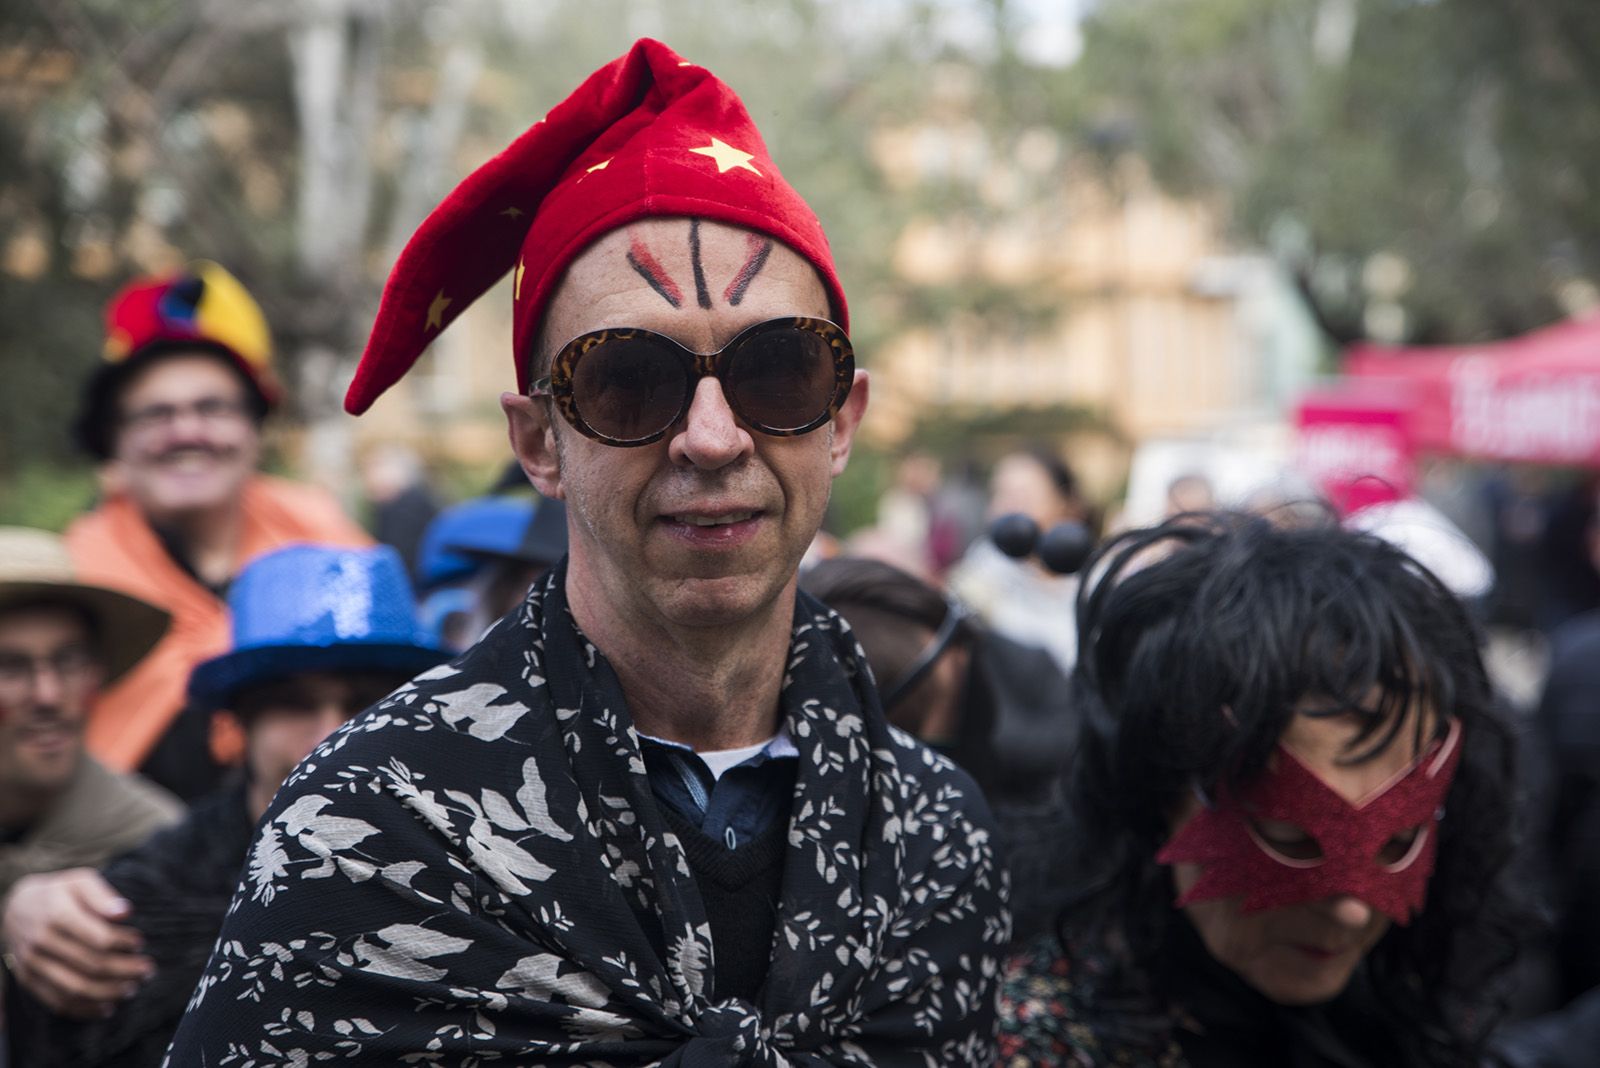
[(741, 889)]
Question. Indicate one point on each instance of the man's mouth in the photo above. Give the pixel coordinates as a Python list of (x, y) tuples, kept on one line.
[(44, 732), (720, 520), (189, 458), (715, 529)]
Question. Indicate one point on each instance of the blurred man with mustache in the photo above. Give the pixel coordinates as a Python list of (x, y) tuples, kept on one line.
[(175, 414), (104, 961), (60, 641)]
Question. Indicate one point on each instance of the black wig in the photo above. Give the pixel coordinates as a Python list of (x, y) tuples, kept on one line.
[(1197, 639)]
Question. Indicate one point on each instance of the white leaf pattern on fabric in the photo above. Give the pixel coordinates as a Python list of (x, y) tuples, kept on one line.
[(485, 720), (498, 810), (330, 833), (539, 977), (531, 796), (268, 863), (503, 860), (400, 949)]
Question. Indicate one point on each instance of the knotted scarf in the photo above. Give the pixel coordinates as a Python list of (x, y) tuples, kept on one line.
[(476, 872)]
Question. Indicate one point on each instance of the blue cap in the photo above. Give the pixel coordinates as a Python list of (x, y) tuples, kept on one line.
[(317, 608), (485, 524)]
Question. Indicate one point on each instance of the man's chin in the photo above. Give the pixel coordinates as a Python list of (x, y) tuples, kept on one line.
[(184, 497), (718, 600)]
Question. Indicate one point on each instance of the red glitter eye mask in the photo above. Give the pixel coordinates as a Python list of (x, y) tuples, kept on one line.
[(1236, 862)]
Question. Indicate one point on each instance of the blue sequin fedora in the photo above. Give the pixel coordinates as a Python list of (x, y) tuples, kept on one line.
[(317, 608)]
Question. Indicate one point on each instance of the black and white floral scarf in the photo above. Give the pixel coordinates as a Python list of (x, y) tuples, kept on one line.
[(475, 872)]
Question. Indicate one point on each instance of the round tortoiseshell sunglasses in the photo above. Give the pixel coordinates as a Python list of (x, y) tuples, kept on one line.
[(629, 386)]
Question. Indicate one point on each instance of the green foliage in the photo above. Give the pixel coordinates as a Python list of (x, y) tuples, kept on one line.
[(45, 495), (1460, 137), (854, 503), (985, 434)]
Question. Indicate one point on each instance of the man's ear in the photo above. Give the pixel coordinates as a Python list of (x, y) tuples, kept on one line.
[(847, 420), (533, 440)]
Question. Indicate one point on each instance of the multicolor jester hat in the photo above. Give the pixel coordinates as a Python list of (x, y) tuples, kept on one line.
[(201, 308), (647, 135)]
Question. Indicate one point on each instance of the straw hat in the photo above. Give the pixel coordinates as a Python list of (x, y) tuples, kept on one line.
[(35, 569)]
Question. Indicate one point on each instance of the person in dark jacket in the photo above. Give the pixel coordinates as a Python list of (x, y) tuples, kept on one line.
[(319, 634), (1291, 808), (995, 706)]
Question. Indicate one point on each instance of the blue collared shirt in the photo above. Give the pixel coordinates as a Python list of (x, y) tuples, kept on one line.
[(747, 800)]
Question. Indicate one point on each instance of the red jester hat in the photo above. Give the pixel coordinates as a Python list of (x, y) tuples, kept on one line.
[(647, 135)]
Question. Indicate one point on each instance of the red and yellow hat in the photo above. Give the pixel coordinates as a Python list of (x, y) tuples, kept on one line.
[(649, 134), (203, 307)]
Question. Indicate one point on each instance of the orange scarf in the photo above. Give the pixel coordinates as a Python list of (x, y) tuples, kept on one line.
[(114, 546)]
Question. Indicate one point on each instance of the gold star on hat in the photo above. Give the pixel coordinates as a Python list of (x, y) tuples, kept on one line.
[(727, 156), (436, 312)]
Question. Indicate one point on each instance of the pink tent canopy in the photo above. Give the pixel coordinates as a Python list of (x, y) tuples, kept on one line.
[(1353, 441), (1535, 398)]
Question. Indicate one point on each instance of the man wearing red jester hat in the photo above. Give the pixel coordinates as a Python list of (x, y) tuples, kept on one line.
[(174, 414), (1291, 807), (656, 815)]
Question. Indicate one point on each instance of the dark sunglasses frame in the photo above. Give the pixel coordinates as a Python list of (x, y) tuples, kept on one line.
[(696, 365), (950, 628)]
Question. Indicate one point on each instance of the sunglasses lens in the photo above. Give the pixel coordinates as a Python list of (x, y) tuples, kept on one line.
[(629, 389), (781, 379)]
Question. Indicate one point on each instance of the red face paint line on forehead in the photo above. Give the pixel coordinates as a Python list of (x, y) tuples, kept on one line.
[(643, 261), (759, 249), (1236, 864)]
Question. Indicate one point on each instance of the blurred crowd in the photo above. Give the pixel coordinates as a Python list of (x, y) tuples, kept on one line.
[(1270, 785), (167, 663)]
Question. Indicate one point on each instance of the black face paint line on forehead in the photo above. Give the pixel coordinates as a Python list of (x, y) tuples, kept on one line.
[(701, 294)]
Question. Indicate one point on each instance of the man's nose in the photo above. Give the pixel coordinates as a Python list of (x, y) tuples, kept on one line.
[(710, 436), (187, 422), (48, 686)]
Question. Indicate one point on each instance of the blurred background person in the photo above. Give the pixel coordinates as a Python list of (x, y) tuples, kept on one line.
[(1190, 492), (1292, 808), (956, 514), (506, 569), (996, 707), (1567, 725), (905, 512), (478, 559), (175, 413), (448, 601), (1020, 598), (107, 960), (61, 640), (400, 503), (1571, 585)]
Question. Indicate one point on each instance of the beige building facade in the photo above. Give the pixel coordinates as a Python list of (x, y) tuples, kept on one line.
[(1153, 327)]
